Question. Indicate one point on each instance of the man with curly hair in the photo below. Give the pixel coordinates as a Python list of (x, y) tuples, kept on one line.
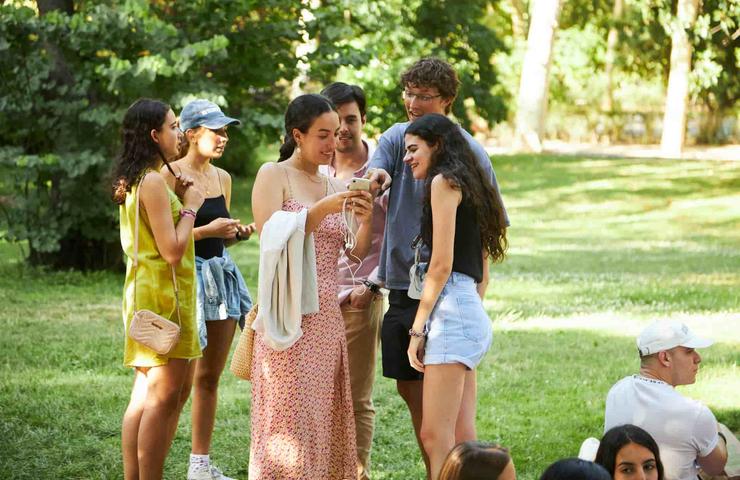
[(429, 86)]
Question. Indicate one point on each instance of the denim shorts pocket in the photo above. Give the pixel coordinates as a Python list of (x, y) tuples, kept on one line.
[(473, 318)]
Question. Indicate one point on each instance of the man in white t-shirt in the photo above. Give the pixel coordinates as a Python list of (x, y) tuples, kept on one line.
[(685, 430)]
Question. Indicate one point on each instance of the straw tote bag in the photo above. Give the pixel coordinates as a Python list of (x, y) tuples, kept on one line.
[(241, 361), (148, 328)]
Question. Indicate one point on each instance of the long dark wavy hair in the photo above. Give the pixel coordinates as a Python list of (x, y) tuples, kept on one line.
[(474, 461), (618, 437), (138, 150), (454, 159), (301, 113)]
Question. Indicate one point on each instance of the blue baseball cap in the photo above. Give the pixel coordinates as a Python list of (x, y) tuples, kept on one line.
[(203, 113)]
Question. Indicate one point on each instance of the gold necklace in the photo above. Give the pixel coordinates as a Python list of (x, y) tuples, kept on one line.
[(314, 178), (202, 176), (318, 178)]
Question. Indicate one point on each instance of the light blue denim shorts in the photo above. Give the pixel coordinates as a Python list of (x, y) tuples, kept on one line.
[(459, 330)]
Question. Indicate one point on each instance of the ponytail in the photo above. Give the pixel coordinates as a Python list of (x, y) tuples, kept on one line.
[(287, 148), (301, 113)]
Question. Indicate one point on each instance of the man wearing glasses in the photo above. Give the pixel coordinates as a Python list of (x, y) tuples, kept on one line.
[(429, 86)]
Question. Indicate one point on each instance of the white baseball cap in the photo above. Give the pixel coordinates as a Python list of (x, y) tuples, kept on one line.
[(664, 335)]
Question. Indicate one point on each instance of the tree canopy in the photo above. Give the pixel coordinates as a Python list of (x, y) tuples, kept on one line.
[(70, 69)]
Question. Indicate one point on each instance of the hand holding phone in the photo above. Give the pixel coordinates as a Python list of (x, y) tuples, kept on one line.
[(359, 184)]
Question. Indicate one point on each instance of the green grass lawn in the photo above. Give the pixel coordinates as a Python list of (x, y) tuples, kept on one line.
[(598, 248)]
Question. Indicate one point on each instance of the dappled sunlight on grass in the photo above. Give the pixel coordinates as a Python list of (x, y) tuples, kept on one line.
[(599, 248), (553, 375), (722, 327), (638, 237), (717, 385)]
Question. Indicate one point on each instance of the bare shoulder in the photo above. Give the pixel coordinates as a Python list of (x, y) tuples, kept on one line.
[(269, 168), (270, 173), (153, 188), (152, 181), (226, 176), (442, 186)]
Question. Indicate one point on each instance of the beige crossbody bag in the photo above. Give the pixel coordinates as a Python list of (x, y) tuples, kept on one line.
[(148, 328)]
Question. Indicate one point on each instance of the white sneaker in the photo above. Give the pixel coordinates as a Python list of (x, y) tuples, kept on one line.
[(200, 472)]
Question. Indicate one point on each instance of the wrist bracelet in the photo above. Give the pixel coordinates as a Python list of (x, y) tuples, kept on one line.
[(187, 212), (414, 333)]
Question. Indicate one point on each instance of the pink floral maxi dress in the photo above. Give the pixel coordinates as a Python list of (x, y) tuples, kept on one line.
[(302, 421)]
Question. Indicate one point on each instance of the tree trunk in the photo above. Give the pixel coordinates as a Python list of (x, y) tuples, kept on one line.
[(674, 119), (611, 47), (46, 6), (61, 73), (533, 86)]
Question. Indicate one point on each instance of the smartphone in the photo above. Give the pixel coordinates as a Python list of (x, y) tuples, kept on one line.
[(359, 184)]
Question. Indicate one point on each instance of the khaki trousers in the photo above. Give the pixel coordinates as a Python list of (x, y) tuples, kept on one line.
[(363, 336)]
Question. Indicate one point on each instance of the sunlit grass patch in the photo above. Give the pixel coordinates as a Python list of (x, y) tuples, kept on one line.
[(599, 248)]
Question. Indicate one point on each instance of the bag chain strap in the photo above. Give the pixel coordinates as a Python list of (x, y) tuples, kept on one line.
[(416, 246), (136, 258)]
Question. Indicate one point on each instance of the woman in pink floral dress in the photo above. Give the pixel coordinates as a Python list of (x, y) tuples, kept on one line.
[(302, 421)]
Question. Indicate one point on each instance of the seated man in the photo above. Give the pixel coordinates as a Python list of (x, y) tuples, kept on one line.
[(685, 430)]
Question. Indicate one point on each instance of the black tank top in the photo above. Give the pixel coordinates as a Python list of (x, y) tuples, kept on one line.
[(468, 248), (212, 208)]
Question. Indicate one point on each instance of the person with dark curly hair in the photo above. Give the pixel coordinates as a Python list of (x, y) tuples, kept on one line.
[(165, 241), (429, 86), (629, 453), (464, 225)]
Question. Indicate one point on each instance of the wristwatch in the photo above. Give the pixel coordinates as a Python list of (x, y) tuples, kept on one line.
[(375, 289)]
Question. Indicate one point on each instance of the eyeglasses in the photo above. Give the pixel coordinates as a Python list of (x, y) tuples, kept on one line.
[(422, 98)]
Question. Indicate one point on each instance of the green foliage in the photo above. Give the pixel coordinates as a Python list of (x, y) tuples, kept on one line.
[(642, 62), (716, 70), (372, 43), (69, 78), (578, 60)]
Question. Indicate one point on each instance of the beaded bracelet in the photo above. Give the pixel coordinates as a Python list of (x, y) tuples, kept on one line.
[(186, 212), (414, 333)]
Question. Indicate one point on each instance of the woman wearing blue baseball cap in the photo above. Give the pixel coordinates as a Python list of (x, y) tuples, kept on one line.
[(223, 298)]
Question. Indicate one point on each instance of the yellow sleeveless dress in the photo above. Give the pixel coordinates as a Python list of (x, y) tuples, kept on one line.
[(154, 288)]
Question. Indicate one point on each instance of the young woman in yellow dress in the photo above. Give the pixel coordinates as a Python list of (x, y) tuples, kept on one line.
[(150, 137)]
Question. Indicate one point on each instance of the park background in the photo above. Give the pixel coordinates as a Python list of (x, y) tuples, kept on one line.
[(563, 93)]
